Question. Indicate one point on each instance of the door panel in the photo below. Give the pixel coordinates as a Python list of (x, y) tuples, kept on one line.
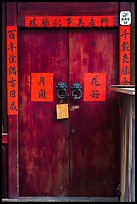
[(78, 156), (94, 131), (43, 140)]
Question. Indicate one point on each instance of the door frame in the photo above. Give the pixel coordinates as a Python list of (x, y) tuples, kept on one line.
[(13, 146)]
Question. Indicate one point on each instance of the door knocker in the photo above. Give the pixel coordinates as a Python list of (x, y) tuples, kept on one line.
[(76, 90), (61, 90)]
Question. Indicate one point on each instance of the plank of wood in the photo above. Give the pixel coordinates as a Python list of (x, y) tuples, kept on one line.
[(68, 8)]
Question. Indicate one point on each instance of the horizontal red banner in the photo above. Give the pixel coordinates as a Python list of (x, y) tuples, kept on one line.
[(69, 21)]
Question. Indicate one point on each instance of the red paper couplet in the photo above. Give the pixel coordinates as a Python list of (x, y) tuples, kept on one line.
[(42, 87), (12, 71), (95, 87), (69, 21), (124, 55)]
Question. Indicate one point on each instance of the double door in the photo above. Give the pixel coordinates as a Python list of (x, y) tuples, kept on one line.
[(79, 155)]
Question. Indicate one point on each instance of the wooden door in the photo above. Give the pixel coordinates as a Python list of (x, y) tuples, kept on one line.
[(43, 140), (76, 156), (94, 131)]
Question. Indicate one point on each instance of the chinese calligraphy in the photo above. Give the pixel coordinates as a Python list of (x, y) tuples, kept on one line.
[(12, 70), (11, 33), (42, 93), (104, 21), (95, 94), (95, 81), (95, 87), (124, 55), (41, 81), (80, 22), (42, 87), (57, 23), (33, 22), (69, 21), (45, 22)]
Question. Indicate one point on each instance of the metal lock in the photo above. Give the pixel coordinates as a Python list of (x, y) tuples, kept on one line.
[(62, 111)]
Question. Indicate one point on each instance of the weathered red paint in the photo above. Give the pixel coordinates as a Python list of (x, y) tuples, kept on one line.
[(95, 87), (12, 70), (42, 87), (4, 138), (124, 61), (4, 170), (68, 8), (111, 8), (43, 140), (13, 172), (89, 165), (94, 129), (11, 20), (69, 21)]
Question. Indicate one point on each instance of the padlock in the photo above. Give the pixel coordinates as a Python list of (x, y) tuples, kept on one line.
[(62, 111)]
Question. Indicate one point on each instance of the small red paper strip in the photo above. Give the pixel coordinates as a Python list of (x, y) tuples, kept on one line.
[(124, 78), (42, 87), (95, 87), (12, 71), (69, 21)]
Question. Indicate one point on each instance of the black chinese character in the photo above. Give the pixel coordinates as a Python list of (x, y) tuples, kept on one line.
[(12, 59), (11, 34), (95, 81), (57, 23), (80, 22), (125, 70), (12, 84), (33, 22), (125, 34), (12, 93), (13, 106), (12, 70), (95, 94), (69, 21), (11, 46), (41, 81), (104, 20), (42, 93), (125, 59), (125, 46), (91, 22), (125, 81), (45, 22)]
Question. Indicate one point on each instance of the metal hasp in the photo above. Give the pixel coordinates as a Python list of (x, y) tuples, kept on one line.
[(76, 90), (61, 89)]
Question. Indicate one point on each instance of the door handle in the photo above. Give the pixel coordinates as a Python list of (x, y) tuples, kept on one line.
[(76, 89), (61, 90)]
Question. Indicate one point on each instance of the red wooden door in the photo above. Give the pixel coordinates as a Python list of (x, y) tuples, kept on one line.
[(43, 140), (94, 131), (76, 156)]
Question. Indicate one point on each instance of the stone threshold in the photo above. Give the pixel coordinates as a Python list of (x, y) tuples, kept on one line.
[(62, 199)]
